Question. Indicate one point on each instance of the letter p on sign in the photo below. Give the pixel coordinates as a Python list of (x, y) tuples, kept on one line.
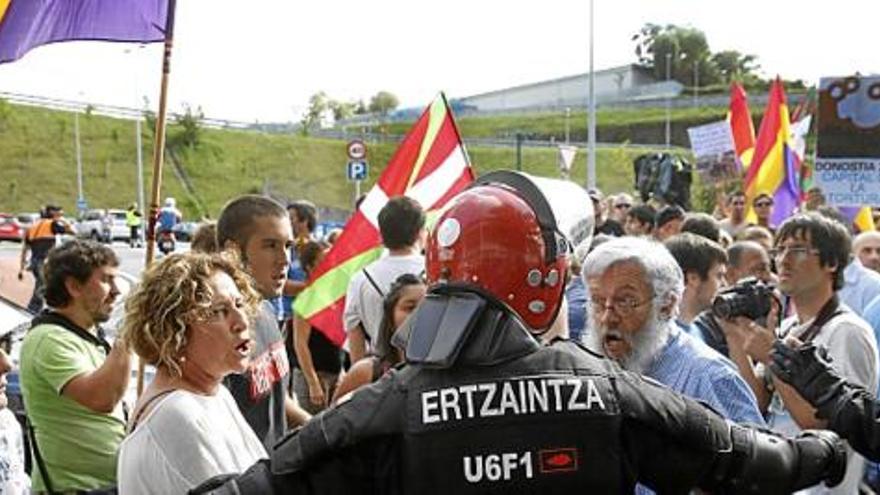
[(357, 170)]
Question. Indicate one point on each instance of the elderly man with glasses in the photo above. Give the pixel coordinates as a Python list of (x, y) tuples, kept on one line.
[(811, 253), (634, 288)]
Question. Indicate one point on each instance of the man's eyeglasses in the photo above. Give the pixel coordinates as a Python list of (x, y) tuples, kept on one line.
[(762, 204), (624, 306), (738, 203), (799, 253), (622, 205)]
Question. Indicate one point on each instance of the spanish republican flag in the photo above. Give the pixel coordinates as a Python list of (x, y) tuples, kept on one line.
[(741, 126), (430, 166), (774, 165), (26, 24)]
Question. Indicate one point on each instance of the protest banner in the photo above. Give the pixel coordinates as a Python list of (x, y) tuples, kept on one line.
[(714, 150), (848, 148)]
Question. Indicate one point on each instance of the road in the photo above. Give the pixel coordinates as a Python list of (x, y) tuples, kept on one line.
[(131, 264)]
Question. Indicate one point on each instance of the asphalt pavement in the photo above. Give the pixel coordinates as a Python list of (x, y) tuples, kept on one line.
[(131, 265)]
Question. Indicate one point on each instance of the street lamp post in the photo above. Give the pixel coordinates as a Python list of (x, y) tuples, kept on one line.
[(591, 121), (80, 198), (567, 125), (668, 97), (138, 138)]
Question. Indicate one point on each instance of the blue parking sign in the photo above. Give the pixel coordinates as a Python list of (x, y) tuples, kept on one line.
[(357, 170)]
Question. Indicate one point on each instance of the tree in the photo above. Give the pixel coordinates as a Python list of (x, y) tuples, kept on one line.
[(342, 109), (318, 104), (687, 48), (383, 103), (734, 66), (360, 108), (690, 56), (190, 123)]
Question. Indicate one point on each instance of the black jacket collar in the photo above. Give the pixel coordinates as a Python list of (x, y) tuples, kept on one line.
[(47, 316)]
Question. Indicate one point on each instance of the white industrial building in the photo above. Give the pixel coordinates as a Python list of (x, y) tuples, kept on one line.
[(618, 84)]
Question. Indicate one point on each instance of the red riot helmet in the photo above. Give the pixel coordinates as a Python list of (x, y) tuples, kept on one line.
[(501, 237)]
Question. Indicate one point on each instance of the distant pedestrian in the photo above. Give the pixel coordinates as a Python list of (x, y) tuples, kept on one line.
[(39, 239), (134, 219)]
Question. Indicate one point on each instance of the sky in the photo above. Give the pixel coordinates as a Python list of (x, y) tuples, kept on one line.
[(260, 60)]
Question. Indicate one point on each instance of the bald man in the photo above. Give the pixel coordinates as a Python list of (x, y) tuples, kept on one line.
[(747, 259), (866, 247)]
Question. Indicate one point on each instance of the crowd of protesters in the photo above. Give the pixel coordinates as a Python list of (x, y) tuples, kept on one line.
[(237, 367)]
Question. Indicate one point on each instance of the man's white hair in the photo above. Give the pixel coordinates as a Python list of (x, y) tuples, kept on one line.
[(661, 270), (864, 237)]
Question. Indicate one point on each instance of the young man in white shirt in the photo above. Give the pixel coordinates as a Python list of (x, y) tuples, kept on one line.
[(811, 253), (402, 226)]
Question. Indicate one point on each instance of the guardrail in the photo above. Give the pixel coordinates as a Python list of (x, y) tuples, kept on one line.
[(118, 112), (483, 142)]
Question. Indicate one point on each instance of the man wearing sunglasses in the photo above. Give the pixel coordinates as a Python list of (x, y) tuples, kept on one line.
[(763, 206), (622, 203), (811, 253)]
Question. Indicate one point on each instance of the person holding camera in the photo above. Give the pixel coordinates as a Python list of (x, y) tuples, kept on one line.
[(811, 253), (748, 263)]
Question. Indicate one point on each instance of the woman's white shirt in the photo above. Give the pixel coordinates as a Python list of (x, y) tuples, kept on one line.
[(183, 441)]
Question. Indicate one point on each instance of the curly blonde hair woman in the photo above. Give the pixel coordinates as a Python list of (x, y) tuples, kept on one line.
[(189, 317)]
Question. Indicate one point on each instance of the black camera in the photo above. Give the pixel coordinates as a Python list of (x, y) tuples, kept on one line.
[(750, 297)]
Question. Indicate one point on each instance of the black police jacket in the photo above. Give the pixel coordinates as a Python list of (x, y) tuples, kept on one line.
[(482, 407)]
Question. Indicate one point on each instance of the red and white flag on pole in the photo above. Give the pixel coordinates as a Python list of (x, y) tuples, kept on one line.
[(430, 166)]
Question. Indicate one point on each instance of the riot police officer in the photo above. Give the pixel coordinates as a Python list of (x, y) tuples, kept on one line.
[(482, 407), (851, 411)]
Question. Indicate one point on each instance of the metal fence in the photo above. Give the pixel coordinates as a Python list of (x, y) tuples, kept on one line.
[(117, 112)]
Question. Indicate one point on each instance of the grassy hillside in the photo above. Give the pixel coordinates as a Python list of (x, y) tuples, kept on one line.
[(38, 164), (614, 125)]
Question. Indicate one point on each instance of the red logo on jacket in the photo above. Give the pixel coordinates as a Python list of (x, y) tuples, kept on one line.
[(563, 460)]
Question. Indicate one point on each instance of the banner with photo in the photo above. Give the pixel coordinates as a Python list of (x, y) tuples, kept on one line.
[(714, 150), (848, 148)]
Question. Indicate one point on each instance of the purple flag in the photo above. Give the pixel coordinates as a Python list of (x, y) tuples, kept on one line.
[(26, 24)]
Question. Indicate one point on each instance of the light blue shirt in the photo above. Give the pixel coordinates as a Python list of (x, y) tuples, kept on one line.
[(691, 368), (694, 369), (860, 286)]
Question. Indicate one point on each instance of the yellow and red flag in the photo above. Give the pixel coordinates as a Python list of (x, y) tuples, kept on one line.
[(774, 167), (430, 166), (741, 126)]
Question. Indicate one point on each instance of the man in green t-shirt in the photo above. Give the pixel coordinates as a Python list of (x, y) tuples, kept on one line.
[(72, 380)]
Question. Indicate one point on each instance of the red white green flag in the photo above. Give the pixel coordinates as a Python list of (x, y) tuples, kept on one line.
[(430, 166)]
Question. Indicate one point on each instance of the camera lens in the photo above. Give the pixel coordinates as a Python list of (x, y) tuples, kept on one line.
[(723, 307)]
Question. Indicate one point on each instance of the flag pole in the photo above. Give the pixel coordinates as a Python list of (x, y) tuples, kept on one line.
[(158, 159)]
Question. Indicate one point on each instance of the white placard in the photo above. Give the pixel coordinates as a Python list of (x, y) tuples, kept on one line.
[(848, 181), (711, 139)]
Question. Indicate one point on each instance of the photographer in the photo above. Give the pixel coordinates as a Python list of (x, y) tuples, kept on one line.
[(745, 260), (811, 253)]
